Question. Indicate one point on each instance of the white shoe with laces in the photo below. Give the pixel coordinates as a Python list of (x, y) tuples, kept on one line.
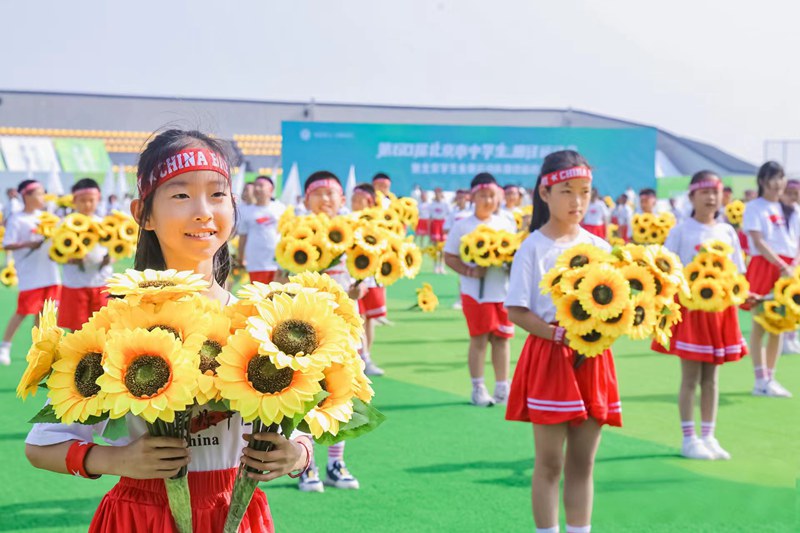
[(712, 445), (5, 355), (480, 396), (760, 387), (371, 369), (694, 448), (776, 390)]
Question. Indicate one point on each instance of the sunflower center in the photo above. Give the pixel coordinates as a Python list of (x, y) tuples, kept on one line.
[(370, 239), (300, 257), (409, 260), (638, 315), (208, 356), (693, 276), (658, 287), (86, 374), (361, 262), (324, 386), (386, 268), (86, 241), (156, 283), (664, 265), (578, 312), (615, 319), (68, 241), (592, 336), (663, 322), (267, 379), (168, 329), (706, 294), (736, 289), (147, 375), (121, 248), (294, 336), (335, 236), (578, 261), (636, 284), (603, 294)]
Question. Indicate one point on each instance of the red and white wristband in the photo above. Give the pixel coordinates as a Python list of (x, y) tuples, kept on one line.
[(558, 335), (76, 457), (305, 442)]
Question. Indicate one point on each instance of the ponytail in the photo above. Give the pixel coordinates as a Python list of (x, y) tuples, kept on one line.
[(541, 211)]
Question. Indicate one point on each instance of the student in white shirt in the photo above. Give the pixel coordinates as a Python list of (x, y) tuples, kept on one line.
[(382, 183), (482, 293), (39, 279), (423, 230), (438, 211), (596, 217), (622, 216), (258, 232), (774, 253)]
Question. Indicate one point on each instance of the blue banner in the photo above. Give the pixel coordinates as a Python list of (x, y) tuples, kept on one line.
[(449, 156)]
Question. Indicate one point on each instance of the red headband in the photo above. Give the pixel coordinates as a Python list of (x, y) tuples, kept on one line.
[(188, 160), (706, 184), (566, 175), (85, 192), (483, 186), (793, 184), (29, 187), (328, 182)]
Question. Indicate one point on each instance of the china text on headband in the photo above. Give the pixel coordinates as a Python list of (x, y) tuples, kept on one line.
[(89, 191), (566, 175), (706, 184), (188, 160), (30, 187), (329, 182), (483, 186)]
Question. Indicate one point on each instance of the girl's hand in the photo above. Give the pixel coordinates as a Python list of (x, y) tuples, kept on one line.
[(357, 291), (475, 272), (280, 460), (34, 245), (153, 457)]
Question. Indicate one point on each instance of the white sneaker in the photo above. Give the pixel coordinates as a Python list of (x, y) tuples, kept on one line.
[(693, 448), (480, 396), (371, 369), (790, 347), (340, 477), (5, 355), (712, 445), (500, 396), (776, 390), (383, 321), (457, 305), (310, 481), (760, 387)]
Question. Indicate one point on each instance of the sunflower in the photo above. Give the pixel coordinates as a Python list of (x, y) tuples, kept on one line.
[(464, 249), (317, 223), (88, 240), (791, 298), (665, 261), (300, 332), (734, 212), (286, 219), (73, 388), (238, 313), (774, 312), (155, 286), (571, 279), (644, 317), (780, 288), (128, 230), (45, 340), (774, 328), (411, 259), (507, 244), (692, 271), (216, 337), (669, 316), (551, 281), (717, 247), (77, 222), (346, 308), (589, 344), (256, 387), (326, 255), (641, 255), (604, 292), (8, 276), (617, 326), (481, 241), (389, 269), (361, 263), (180, 318), (149, 373), (256, 291), (66, 242), (298, 256), (639, 278), (572, 316), (427, 301), (708, 295), (119, 249), (339, 234), (337, 408), (370, 238), (582, 255), (739, 290), (300, 232)]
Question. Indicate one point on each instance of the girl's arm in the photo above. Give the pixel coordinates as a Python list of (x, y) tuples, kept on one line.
[(454, 262), (531, 322), (764, 249), (18, 246)]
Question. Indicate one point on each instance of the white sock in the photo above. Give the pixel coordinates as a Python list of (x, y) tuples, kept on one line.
[(5, 344), (501, 386), (335, 453), (579, 529), (477, 383), (707, 429), (366, 356), (687, 427), (553, 529)]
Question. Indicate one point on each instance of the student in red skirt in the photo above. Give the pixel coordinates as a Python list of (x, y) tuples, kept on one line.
[(703, 340), (774, 251), (438, 212), (482, 293), (596, 217), (258, 232), (185, 224), (39, 279), (423, 229), (84, 280), (565, 396)]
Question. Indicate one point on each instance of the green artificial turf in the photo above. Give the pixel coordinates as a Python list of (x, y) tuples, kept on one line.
[(439, 464)]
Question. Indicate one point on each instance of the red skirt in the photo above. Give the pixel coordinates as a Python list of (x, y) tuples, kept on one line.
[(31, 302), (548, 389), (486, 317), (437, 230), (706, 337), (762, 275), (263, 276), (78, 305), (373, 304), (141, 506), (599, 231), (422, 226)]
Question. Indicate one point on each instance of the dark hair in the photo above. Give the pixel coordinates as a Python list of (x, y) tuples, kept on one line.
[(647, 192), (482, 179), (319, 176), (164, 145), (703, 175), (727, 189), (510, 186), (381, 176), (267, 178), (768, 171), (561, 160), (25, 183), (367, 188), (85, 183)]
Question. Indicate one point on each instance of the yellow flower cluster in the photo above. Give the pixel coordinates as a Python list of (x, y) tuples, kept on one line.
[(8, 276), (427, 301), (487, 246), (714, 283), (405, 209), (783, 312), (371, 240), (65, 201), (47, 224), (77, 234), (613, 236), (609, 202), (522, 216), (734, 212), (652, 229), (433, 250), (600, 296)]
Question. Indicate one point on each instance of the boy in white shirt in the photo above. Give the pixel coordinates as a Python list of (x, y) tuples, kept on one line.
[(439, 209), (258, 232)]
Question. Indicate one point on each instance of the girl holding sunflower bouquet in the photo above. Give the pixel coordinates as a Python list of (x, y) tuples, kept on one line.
[(704, 340), (186, 214), (565, 396)]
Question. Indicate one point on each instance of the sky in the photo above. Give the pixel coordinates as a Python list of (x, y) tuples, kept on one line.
[(719, 72)]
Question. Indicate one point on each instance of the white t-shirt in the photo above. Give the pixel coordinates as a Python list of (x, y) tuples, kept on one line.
[(456, 215), (767, 218), (508, 214), (597, 214), (35, 269), (438, 210), (12, 206), (260, 225), (424, 210), (495, 284), (687, 236), (535, 257), (623, 214)]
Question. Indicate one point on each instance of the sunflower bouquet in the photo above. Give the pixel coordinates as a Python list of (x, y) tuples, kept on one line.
[(427, 301), (47, 224), (8, 276), (613, 235), (487, 247), (782, 312), (714, 283), (522, 216), (406, 209), (600, 296), (119, 233), (734, 212), (652, 229), (77, 234)]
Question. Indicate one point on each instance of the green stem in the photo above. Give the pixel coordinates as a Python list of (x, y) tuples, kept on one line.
[(180, 503)]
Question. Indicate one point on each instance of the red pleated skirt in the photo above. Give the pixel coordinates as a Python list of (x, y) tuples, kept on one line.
[(599, 230), (548, 389), (706, 337), (141, 506), (762, 275)]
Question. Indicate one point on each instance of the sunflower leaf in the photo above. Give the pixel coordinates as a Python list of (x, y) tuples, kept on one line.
[(116, 428), (365, 419), (219, 405), (46, 416), (288, 425)]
